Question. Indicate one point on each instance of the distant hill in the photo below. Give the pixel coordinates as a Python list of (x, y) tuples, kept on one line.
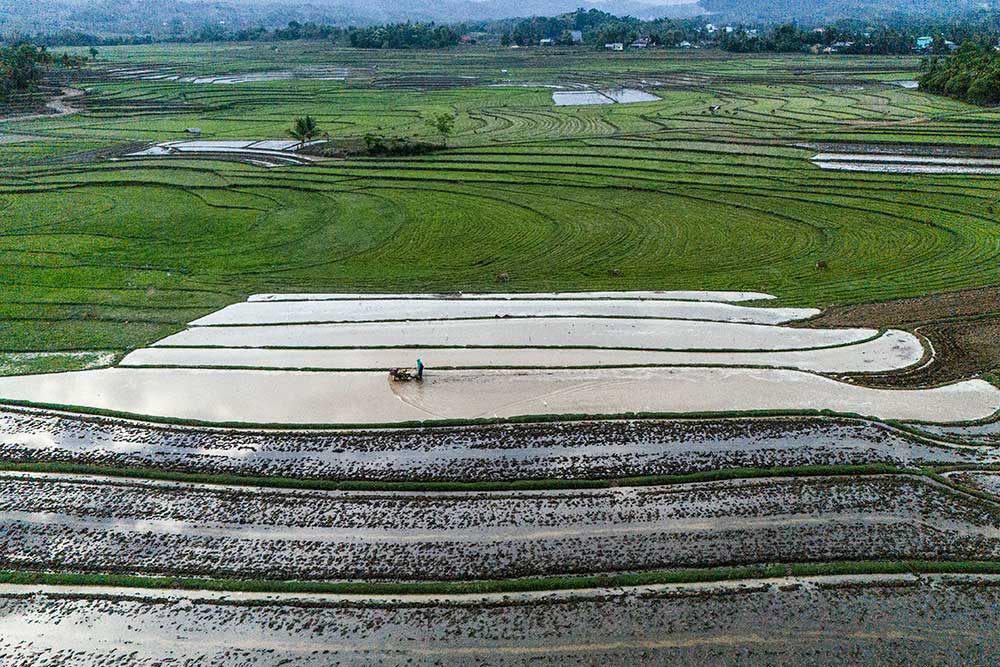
[(166, 17), (474, 10)]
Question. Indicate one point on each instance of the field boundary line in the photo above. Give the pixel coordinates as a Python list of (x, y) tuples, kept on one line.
[(745, 573)]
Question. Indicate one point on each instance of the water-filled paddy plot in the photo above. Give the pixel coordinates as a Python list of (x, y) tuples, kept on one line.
[(557, 440), (568, 98), (168, 73), (560, 450), (164, 528), (793, 620), (903, 159), (265, 153), (324, 360)]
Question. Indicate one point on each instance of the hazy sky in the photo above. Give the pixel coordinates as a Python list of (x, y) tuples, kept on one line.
[(403, 5)]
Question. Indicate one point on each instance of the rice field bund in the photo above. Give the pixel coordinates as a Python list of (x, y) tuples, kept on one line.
[(651, 357)]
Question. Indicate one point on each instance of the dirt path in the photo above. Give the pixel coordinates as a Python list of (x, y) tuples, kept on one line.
[(59, 106)]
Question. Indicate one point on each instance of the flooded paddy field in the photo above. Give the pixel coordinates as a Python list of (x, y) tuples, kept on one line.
[(312, 344), (661, 295), (984, 480), (361, 398), (832, 620), (180, 74), (607, 332), (481, 453), (312, 361), (987, 433), (893, 350), (564, 98), (263, 153), (909, 159), (68, 523), (375, 310)]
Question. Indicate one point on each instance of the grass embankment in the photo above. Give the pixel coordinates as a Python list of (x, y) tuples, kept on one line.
[(481, 587), (447, 486), (436, 423)]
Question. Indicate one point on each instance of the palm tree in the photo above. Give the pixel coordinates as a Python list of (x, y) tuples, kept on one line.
[(304, 129)]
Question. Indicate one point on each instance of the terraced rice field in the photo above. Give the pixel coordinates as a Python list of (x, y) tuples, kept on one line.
[(302, 361), (74, 524), (793, 619), (203, 461), (103, 525), (661, 195), (562, 450), (612, 96), (266, 153), (906, 164)]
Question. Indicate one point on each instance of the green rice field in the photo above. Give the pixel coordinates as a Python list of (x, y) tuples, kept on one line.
[(107, 254)]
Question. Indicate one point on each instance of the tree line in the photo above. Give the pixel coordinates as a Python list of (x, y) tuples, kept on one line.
[(971, 74), (596, 28), (846, 39), (404, 36), (389, 36), (592, 27), (23, 68)]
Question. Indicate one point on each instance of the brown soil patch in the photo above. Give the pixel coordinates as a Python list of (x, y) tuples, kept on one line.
[(962, 326), (54, 108)]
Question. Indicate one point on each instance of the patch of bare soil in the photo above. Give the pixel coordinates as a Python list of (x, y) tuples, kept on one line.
[(61, 105), (963, 328)]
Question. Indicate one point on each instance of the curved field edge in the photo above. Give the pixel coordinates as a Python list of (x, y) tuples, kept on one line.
[(526, 176), (747, 573), (83, 411), (358, 485), (145, 473)]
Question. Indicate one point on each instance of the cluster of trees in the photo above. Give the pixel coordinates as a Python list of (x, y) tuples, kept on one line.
[(73, 38), (391, 36), (971, 74), (305, 128), (404, 36), (790, 38), (22, 69), (293, 31), (597, 28), (873, 12)]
